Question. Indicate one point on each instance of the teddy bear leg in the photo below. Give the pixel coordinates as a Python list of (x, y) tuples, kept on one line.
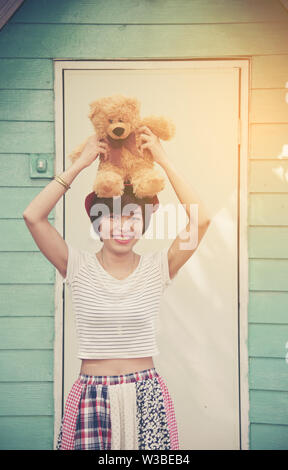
[(147, 183), (108, 184)]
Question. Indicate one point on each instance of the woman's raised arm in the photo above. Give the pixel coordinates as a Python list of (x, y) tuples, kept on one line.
[(180, 250), (47, 238)]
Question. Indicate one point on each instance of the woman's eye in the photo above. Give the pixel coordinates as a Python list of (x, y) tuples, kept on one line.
[(110, 120)]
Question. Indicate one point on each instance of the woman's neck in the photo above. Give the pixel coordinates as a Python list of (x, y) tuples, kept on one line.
[(117, 259)]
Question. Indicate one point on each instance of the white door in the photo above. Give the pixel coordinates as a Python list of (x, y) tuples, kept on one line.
[(199, 356)]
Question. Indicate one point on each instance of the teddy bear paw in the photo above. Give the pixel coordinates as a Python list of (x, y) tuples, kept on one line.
[(148, 186), (108, 184)]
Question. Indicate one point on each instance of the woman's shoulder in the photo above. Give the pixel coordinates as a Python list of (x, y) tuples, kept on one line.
[(76, 250), (156, 251), (155, 256), (76, 259)]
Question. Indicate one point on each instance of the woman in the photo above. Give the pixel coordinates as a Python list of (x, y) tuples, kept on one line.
[(119, 400)]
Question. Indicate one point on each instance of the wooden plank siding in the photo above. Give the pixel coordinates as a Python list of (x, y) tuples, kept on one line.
[(27, 292), (147, 12), (43, 30), (268, 253), (70, 41)]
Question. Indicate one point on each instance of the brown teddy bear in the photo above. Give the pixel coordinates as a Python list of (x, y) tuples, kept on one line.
[(116, 120)]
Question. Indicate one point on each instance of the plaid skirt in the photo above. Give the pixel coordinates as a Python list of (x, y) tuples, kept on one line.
[(131, 411)]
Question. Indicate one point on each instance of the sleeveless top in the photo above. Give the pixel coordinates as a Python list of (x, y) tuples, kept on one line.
[(116, 318)]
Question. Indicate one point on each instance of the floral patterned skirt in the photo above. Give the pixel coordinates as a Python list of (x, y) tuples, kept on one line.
[(130, 411)]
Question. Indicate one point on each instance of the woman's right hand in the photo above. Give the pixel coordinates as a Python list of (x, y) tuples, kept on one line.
[(92, 149)]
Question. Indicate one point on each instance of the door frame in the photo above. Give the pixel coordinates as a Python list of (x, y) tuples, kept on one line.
[(244, 66)]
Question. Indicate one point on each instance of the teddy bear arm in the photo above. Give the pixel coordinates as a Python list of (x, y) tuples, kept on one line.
[(160, 126)]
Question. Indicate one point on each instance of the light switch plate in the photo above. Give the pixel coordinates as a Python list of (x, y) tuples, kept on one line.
[(41, 165)]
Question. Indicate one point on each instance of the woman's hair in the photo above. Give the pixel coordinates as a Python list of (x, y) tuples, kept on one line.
[(127, 198)]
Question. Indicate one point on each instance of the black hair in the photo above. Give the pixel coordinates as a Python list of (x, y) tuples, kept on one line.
[(128, 197)]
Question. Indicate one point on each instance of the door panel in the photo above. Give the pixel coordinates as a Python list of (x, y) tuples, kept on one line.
[(199, 314)]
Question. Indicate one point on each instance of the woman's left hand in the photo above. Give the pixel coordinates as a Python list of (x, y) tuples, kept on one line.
[(152, 143)]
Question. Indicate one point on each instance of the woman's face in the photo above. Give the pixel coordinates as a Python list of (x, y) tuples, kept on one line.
[(122, 231)]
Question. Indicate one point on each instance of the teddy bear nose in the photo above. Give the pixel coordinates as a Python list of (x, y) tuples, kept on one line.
[(118, 131)]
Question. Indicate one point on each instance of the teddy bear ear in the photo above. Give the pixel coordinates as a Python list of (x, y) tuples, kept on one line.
[(93, 108), (134, 104)]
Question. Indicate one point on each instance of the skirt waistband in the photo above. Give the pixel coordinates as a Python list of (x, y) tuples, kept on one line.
[(118, 379)]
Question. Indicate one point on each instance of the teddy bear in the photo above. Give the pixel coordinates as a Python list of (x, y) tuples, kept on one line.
[(116, 120)]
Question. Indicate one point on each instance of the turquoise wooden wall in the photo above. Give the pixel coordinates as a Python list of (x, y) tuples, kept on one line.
[(42, 30)]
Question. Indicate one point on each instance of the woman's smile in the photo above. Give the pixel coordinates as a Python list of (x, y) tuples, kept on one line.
[(122, 240)]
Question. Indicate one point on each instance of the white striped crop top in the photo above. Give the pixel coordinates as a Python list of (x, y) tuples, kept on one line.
[(116, 318)]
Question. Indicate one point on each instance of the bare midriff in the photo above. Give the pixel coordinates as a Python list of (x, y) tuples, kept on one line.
[(115, 366)]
